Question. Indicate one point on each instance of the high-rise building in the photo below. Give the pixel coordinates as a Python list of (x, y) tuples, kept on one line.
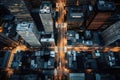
[(46, 16), (75, 17), (29, 33), (111, 34), (100, 15), (18, 9)]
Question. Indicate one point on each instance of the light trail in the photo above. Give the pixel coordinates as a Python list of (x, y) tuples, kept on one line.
[(19, 48), (1, 29), (92, 48), (113, 49), (62, 41)]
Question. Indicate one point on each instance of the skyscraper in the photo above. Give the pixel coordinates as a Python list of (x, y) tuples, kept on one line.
[(100, 15), (75, 17), (29, 33), (18, 9), (46, 16), (111, 34)]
